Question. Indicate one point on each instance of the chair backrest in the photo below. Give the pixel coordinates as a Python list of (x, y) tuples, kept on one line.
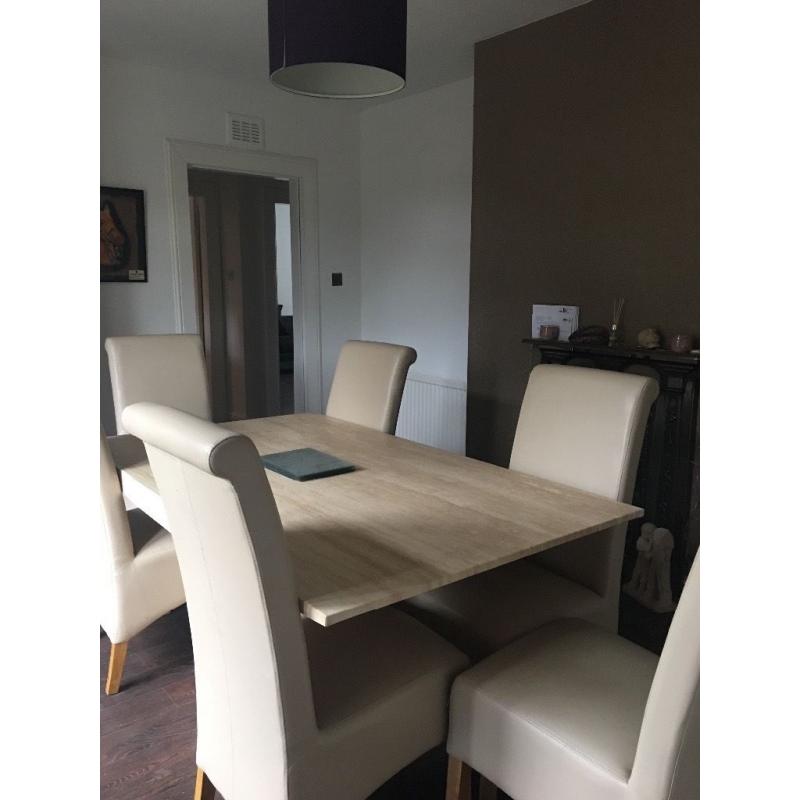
[(254, 701), (584, 428), (368, 383), (169, 369), (667, 763)]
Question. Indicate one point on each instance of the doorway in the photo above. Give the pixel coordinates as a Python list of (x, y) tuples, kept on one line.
[(242, 257), (301, 173)]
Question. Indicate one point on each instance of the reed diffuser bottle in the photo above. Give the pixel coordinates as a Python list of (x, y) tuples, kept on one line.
[(615, 336)]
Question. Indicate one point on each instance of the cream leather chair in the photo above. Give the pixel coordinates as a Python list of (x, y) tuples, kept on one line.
[(285, 708), (163, 368), (368, 384), (580, 427), (573, 711), (141, 579)]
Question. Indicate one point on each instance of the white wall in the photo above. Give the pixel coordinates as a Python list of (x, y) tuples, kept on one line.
[(416, 188), (394, 206), (144, 105)]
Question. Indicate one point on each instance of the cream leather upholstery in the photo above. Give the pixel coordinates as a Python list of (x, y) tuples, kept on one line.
[(141, 579), (285, 708), (166, 368), (573, 711), (368, 384), (580, 427)]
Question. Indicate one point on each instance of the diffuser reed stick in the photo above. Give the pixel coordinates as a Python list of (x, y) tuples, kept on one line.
[(615, 337)]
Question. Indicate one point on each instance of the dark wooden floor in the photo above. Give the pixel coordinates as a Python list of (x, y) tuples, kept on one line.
[(147, 731)]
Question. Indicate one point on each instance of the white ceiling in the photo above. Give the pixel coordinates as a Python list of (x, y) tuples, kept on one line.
[(229, 37)]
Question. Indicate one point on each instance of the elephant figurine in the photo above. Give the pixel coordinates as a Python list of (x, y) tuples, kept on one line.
[(661, 591), (650, 582), (637, 585)]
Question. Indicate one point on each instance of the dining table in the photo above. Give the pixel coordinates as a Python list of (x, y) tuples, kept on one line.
[(408, 519)]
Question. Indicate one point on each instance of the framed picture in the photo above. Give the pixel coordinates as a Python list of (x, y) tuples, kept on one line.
[(123, 253), (563, 318)]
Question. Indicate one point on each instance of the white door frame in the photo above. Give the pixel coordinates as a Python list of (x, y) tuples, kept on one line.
[(301, 173)]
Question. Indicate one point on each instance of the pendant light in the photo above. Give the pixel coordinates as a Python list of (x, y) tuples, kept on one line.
[(338, 48)]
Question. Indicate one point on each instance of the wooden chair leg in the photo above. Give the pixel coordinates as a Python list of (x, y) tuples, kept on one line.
[(488, 791), (459, 780), (203, 788), (116, 663)]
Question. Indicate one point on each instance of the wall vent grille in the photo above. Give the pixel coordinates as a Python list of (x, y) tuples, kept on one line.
[(245, 131)]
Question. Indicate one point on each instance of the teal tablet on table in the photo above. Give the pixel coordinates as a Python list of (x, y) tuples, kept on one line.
[(305, 464)]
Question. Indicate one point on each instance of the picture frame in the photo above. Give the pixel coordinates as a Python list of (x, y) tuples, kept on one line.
[(564, 318), (123, 246)]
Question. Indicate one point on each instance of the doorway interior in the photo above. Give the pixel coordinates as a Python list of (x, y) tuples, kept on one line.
[(242, 257)]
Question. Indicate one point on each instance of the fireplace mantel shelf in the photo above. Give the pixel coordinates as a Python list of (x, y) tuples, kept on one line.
[(622, 351)]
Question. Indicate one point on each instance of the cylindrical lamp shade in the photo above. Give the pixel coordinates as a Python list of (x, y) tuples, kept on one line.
[(338, 48)]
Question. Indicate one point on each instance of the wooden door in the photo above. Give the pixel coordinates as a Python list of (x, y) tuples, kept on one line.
[(233, 220)]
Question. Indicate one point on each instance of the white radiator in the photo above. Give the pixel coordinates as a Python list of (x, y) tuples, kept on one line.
[(434, 412)]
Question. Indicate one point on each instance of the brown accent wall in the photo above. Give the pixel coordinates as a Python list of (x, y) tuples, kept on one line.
[(585, 187)]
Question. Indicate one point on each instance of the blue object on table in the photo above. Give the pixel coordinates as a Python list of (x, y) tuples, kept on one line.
[(305, 464)]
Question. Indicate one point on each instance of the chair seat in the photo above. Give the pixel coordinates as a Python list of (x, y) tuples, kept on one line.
[(484, 613), (154, 551), (555, 715), (146, 532), (152, 585), (380, 683)]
